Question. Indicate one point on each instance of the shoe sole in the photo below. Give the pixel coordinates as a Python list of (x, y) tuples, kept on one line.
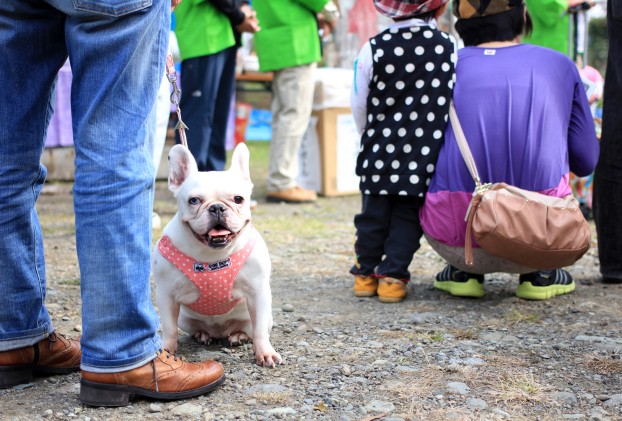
[(470, 289), (527, 291), (22, 374), (389, 299), (15, 375), (364, 293), (114, 395)]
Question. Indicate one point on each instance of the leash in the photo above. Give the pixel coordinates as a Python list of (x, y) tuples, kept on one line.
[(171, 75)]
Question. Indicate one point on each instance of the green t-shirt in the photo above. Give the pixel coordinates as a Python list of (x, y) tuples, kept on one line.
[(550, 24), (289, 33), (201, 29)]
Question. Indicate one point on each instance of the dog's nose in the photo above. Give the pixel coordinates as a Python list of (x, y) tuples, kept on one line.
[(217, 209)]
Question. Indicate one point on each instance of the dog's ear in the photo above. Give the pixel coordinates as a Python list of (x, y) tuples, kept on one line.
[(240, 161), (181, 164)]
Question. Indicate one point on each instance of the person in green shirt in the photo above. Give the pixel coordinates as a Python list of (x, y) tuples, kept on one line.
[(288, 45), (550, 23), (208, 33)]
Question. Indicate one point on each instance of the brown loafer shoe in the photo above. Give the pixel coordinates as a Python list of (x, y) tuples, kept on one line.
[(294, 194), (53, 355), (166, 377)]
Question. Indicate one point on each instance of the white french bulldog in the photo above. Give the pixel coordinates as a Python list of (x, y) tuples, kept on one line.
[(211, 267)]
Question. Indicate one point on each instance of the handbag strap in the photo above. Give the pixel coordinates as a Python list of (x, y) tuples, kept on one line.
[(465, 151)]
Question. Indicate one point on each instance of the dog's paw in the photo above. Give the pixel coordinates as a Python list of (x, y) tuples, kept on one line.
[(170, 345), (202, 337), (266, 356), (238, 338)]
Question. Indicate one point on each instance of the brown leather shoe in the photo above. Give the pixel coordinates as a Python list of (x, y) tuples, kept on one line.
[(53, 355), (294, 194), (166, 377)]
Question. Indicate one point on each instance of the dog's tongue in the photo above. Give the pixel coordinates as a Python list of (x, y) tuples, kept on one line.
[(216, 232)]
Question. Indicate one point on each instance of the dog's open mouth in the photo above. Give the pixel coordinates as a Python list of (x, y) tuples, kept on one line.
[(219, 236)]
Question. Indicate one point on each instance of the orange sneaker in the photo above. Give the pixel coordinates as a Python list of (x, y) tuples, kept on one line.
[(365, 286), (391, 290)]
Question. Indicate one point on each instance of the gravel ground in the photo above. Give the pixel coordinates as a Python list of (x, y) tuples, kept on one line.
[(430, 357)]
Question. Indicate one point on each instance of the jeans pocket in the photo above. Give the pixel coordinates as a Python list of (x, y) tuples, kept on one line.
[(112, 7)]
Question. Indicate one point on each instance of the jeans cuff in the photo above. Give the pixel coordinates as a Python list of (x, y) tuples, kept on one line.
[(101, 366), (25, 338)]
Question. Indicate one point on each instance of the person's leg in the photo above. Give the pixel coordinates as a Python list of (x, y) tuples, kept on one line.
[(120, 56), (403, 239), (217, 156), (292, 102), (608, 174), (607, 215), (30, 32), (400, 246), (372, 228), (120, 63), (200, 80)]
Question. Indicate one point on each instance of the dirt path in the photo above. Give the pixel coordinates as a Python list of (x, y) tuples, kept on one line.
[(430, 357)]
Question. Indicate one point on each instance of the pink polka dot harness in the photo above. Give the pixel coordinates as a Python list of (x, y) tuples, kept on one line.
[(214, 279)]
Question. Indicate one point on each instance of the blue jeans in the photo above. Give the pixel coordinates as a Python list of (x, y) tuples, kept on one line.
[(117, 52)]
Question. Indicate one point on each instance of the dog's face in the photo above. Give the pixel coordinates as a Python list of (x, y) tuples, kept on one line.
[(215, 205)]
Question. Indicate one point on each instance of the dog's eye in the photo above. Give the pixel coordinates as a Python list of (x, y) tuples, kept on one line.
[(193, 201), (238, 200)]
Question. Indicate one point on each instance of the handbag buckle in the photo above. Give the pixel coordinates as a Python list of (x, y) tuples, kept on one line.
[(480, 188)]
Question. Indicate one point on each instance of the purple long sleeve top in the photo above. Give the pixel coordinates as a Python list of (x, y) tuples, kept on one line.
[(527, 120)]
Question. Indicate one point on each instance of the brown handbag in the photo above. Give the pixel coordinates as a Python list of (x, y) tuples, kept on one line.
[(524, 227)]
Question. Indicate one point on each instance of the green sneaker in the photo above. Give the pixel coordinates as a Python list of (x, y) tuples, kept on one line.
[(460, 283), (544, 284)]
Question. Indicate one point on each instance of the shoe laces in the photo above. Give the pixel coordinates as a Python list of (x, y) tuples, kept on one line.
[(55, 337), (52, 339), (169, 354)]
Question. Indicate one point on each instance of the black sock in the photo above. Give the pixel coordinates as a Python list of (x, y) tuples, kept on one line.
[(452, 273)]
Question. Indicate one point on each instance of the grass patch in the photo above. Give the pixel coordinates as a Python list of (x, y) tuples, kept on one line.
[(425, 336), (515, 317), (260, 154), (259, 164), (70, 281), (462, 334), (299, 225), (272, 398), (413, 392), (521, 388), (604, 365), (56, 224), (501, 361)]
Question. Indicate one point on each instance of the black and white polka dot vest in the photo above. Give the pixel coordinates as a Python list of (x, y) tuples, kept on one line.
[(407, 109)]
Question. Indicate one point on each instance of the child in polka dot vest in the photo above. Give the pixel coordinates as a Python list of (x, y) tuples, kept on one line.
[(403, 83)]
